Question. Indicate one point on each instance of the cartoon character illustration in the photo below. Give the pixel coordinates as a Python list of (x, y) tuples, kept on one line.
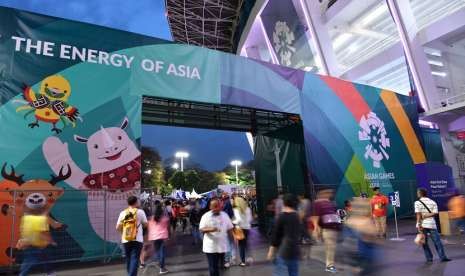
[(51, 104), (115, 166), (6, 215), (20, 196)]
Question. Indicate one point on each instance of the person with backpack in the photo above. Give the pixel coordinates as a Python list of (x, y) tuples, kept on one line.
[(426, 210), (131, 222), (158, 232)]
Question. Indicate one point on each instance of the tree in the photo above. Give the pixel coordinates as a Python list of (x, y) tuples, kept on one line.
[(192, 180), (153, 173), (178, 180)]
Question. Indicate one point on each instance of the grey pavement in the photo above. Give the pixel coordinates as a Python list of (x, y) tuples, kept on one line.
[(397, 258)]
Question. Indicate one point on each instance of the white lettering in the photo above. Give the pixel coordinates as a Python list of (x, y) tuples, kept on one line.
[(64, 51), (128, 61), (92, 56), (103, 57), (171, 70), (48, 49), (147, 65), (81, 54), (30, 45), (195, 73), (158, 66), (18, 41), (116, 60)]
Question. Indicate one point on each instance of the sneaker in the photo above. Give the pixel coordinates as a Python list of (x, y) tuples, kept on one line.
[(227, 265), (446, 260), (243, 264), (163, 271), (331, 269), (141, 266)]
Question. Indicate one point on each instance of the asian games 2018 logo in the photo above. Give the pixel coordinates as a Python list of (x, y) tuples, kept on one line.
[(374, 132)]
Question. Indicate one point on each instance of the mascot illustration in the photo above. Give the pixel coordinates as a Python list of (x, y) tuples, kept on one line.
[(22, 197), (115, 167), (51, 104)]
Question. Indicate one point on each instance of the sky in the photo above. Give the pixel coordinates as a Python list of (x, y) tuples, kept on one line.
[(213, 150), (140, 16)]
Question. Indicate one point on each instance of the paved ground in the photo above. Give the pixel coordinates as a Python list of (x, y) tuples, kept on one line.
[(397, 258)]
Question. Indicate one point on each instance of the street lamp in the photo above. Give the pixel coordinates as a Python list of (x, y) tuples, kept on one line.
[(175, 166), (182, 155), (148, 171), (236, 164)]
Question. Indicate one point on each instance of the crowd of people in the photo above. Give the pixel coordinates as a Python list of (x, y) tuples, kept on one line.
[(222, 226)]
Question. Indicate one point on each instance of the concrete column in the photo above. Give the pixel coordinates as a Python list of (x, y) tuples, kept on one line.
[(319, 36), (450, 154), (416, 57)]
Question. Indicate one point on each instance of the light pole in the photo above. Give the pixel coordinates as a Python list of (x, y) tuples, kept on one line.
[(175, 166), (236, 164), (182, 155)]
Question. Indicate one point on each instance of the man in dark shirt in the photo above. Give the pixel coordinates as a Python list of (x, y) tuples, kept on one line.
[(285, 239)]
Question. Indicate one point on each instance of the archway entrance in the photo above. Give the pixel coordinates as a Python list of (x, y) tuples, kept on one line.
[(279, 151)]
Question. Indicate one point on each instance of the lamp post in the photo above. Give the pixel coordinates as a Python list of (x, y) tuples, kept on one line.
[(182, 155), (236, 164), (175, 166)]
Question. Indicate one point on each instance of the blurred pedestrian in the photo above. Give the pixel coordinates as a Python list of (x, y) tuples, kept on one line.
[(228, 209), (304, 211), (361, 227), (285, 239), (216, 226), (457, 210), (327, 225), (158, 233), (194, 219), (243, 222), (34, 240), (379, 204), (426, 210), (130, 223)]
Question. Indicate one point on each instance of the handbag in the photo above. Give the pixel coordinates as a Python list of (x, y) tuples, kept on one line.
[(238, 233)]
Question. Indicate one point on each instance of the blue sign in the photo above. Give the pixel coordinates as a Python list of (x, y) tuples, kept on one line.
[(437, 179), (394, 198)]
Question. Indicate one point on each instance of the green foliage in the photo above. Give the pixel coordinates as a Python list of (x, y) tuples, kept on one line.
[(153, 173)]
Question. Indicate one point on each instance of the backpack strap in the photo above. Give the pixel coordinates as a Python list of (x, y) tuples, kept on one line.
[(425, 206)]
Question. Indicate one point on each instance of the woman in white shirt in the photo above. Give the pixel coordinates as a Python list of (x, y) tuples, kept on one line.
[(242, 219)]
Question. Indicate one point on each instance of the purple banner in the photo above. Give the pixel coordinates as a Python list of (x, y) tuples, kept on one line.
[(438, 180)]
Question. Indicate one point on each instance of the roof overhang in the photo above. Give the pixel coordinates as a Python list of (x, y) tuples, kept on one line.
[(215, 24)]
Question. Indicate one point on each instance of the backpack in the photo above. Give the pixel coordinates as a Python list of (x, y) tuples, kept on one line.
[(130, 225)]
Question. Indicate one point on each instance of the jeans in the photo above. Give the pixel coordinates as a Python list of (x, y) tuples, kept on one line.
[(196, 234), (243, 245), (34, 256), (434, 235), (214, 262), (230, 254), (285, 267), (159, 246), (132, 251)]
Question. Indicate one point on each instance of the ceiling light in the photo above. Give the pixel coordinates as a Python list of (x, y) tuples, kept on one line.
[(373, 15), (341, 39), (435, 62), (439, 74)]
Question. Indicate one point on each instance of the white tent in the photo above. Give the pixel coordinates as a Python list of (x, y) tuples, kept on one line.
[(194, 195)]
